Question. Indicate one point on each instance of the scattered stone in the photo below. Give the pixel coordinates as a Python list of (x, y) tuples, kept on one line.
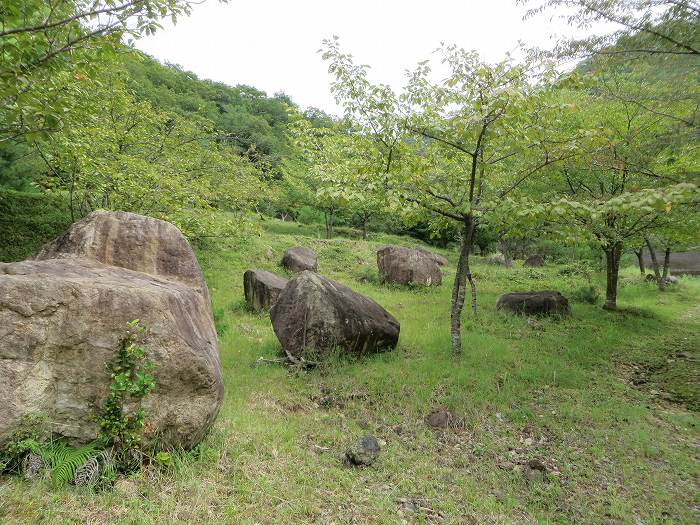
[(315, 315), (32, 466), (672, 279), (440, 418), (298, 259), (534, 261), (405, 266), (533, 474), (63, 315), (262, 288), (547, 302), (364, 452), (498, 259), (534, 470)]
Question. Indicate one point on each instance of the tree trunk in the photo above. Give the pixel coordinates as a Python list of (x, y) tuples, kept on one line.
[(640, 258), (328, 215), (365, 235), (458, 290), (667, 262), (612, 264), (655, 264)]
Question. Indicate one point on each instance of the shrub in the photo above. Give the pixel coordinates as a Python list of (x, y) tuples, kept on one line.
[(586, 294), (29, 220)]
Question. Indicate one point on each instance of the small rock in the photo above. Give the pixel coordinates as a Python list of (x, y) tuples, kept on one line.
[(533, 474), (364, 452), (407, 506), (440, 418), (534, 470)]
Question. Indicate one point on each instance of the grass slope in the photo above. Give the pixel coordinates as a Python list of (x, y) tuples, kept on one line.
[(558, 391)]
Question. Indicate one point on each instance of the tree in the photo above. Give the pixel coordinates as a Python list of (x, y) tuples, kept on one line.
[(452, 149), (679, 230), (629, 176), (641, 27), (48, 46), (337, 169), (120, 153)]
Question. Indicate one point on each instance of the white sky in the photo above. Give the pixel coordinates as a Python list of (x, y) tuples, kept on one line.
[(272, 44)]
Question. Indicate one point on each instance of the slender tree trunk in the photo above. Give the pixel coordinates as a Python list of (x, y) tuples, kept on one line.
[(328, 216), (667, 263), (365, 235), (612, 264), (458, 290), (640, 258), (655, 264)]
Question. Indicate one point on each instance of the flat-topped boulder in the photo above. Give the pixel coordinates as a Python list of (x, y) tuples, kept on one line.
[(534, 261), (439, 259), (262, 288), (546, 302), (315, 316), (63, 315), (406, 266), (131, 241), (298, 259), (498, 259)]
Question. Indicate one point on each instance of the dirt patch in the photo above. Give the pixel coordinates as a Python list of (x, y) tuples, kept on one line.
[(675, 378)]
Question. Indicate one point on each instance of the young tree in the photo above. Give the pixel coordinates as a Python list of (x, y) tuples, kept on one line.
[(630, 174), (679, 230), (337, 170), (453, 149)]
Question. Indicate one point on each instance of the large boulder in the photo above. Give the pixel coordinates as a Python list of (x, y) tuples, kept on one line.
[(439, 259), (63, 315), (131, 241), (262, 288), (298, 259), (546, 302), (317, 315), (405, 266), (534, 261)]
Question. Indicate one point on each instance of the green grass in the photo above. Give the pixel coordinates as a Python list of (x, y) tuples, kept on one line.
[(558, 391)]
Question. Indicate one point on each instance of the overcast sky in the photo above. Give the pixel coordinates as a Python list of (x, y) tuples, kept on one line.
[(272, 44)]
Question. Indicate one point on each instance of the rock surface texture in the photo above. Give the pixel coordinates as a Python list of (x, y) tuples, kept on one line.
[(262, 288), (439, 259), (298, 259), (364, 452), (63, 314), (317, 315), (546, 302), (405, 266), (499, 259)]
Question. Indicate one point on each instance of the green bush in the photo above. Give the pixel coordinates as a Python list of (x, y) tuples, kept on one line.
[(586, 294), (28, 220), (309, 215)]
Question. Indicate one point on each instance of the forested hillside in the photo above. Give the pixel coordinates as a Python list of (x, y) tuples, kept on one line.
[(247, 118)]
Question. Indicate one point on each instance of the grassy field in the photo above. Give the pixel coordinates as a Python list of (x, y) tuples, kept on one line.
[(607, 402)]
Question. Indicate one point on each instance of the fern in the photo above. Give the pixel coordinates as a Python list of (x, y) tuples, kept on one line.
[(64, 461)]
